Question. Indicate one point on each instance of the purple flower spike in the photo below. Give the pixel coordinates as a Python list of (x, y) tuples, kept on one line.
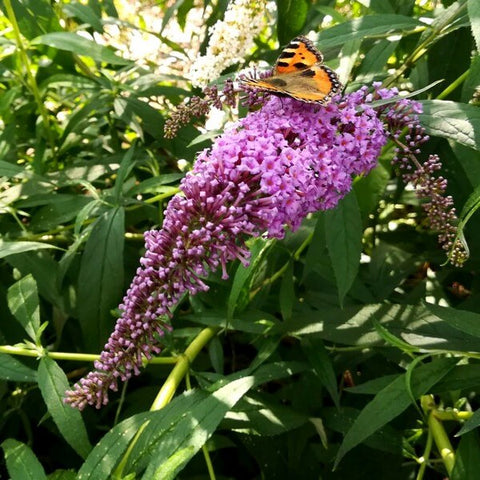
[(266, 172)]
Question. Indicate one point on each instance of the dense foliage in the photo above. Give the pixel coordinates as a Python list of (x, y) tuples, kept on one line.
[(348, 349)]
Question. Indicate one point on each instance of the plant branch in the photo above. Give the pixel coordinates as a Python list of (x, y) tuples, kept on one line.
[(439, 435), (30, 77), (181, 368)]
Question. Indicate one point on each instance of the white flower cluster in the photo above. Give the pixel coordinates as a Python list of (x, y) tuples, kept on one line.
[(230, 39)]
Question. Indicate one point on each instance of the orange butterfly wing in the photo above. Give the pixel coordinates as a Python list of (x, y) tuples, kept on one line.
[(299, 54), (299, 73)]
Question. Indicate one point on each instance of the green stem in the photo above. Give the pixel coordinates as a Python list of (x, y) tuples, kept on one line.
[(58, 237), (439, 435), (120, 403), (139, 237), (452, 415), (30, 77), (31, 352), (281, 271), (208, 461), (81, 357), (454, 85), (117, 474), (425, 456), (442, 441), (181, 368), (357, 348), (418, 53), (162, 196), (206, 453)]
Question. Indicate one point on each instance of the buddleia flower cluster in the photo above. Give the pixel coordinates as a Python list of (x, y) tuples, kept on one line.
[(262, 176), (231, 39), (197, 107), (408, 134)]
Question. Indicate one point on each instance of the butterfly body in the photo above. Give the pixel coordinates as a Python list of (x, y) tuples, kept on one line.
[(299, 73)]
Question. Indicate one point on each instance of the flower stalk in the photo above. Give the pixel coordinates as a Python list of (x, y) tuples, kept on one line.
[(438, 433), (181, 368)]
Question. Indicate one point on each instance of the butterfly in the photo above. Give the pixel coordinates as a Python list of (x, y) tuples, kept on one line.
[(300, 73)]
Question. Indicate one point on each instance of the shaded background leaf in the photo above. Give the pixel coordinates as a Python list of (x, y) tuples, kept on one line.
[(101, 277)]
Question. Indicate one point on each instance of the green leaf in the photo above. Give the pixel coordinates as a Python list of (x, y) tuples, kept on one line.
[(466, 458), (287, 292), (186, 423), (82, 217), (348, 58), (243, 276), (372, 387), (317, 255), (343, 229), (101, 461), (126, 167), (12, 248), (255, 322), (22, 464), (455, 121), (272, 371), (387, 439), (67, 80), (268, 346), (370, 188), (14, 371), (392, 339), (470, 84), (183, 11), (215, 352), (413, 324), (78, 120), (53, 383), (326, 10), (374, 62), (162, 425), (370, 26), (468, 322), (34, 17), (445, 21), (255, 416), (462, 377), (63, 475), (322, 366), (389, 266), (471, 205), (71, 42), (189, 433), (204, 137), (152, 120), (83, 13), (44, 268), (60, 209), (157, 184), (100, 283), (392, 401), (169, 12), (472, 423), (23, 303), (6, 100), (12, 170), (291, 17)]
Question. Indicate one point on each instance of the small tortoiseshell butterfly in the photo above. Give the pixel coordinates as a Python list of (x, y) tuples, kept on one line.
[(300, 73)]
